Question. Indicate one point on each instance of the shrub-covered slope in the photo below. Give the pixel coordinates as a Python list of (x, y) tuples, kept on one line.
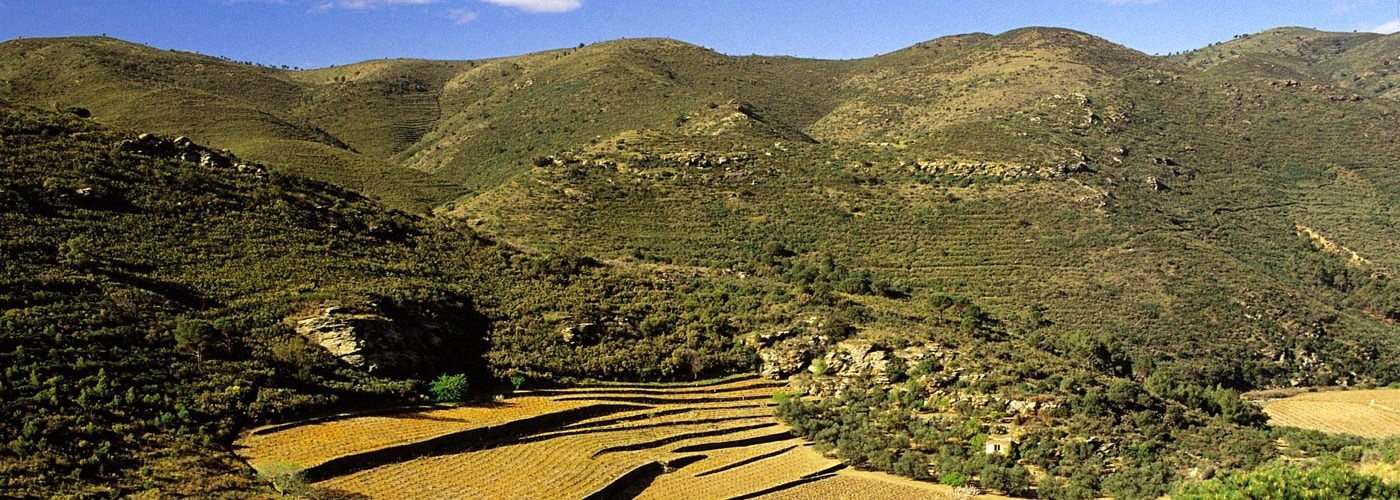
[(1224, 220), (152, 291)]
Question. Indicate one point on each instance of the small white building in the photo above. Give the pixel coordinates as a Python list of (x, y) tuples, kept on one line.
[(999, 445)]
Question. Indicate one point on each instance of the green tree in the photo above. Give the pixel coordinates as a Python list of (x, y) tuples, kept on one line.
[(912, 464), (194, 336), (1014, 480)]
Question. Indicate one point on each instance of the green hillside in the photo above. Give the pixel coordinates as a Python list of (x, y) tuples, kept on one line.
[(1039, 216), (1360, 62), (1146, 200)]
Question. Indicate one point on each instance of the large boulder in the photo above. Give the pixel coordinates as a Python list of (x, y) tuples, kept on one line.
[(365, 338), (862, 358)]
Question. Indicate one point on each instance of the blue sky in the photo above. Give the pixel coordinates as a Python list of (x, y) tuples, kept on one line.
[(315, 33)]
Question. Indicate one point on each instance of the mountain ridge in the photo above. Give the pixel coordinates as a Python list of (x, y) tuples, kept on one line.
[(290, 103)]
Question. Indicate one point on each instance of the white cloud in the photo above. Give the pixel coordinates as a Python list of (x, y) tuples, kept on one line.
[(1387, 28), (539, 6), (461, 16)]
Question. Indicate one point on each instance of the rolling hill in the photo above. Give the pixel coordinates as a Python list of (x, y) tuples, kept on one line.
[(1213, 221)]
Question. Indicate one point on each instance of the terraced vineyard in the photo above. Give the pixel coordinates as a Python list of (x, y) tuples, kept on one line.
[(644, 441), (1371, 413)]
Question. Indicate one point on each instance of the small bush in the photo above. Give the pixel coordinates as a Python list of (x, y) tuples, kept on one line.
[(953, 479), (449, 388), (287, 478)]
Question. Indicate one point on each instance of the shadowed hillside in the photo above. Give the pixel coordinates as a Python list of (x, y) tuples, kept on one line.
[(158, 296)]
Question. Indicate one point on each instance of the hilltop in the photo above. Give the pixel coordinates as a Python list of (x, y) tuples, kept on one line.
[(1039, 217), (1360, 61)]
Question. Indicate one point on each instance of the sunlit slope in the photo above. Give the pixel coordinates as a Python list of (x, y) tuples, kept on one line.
[(256, 111), (499, 114), (1362, 62), (1185, 210)]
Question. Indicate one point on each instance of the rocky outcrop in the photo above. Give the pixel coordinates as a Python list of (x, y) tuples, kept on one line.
[(1002, 170), (182, 148), (787, 352), (581, 334), (858, 358), (701, 159), (787, 355), (366, 338), (846, 361)]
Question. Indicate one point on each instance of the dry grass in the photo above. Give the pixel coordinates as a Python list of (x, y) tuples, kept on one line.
[(554, 467), (1369, 413), (544, 469), (1388, 471)]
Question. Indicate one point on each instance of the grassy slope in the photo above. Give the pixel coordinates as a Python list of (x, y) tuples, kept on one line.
[(94, 289), (1359, 62), (220, 103), (1198, 266), (499, 114)]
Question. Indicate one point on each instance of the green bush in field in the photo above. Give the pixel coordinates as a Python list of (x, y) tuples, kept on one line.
[(954, 479), (449, 388), (287, 478)]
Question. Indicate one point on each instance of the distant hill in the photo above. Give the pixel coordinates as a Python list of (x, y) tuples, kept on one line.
[(251, 109), (1040, 168), (1365, 62)]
